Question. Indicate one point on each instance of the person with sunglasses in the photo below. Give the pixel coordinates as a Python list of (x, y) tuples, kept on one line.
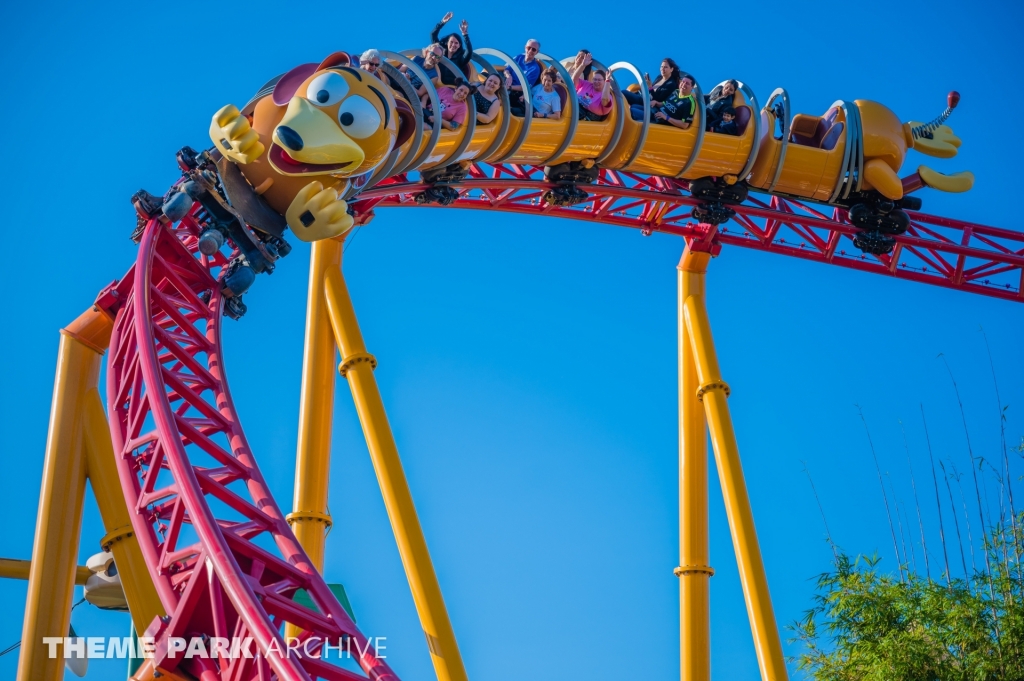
[(428, 61), (369, 61), (531, 68)]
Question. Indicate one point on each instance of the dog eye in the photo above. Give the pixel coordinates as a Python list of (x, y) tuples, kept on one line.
[(358, 117), (327, 89)]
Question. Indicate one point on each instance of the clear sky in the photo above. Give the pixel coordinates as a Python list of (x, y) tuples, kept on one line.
[(529, 365)]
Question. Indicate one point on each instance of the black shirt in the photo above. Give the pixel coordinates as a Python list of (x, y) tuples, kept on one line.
[(460, 58), (680, 108), (665, 90), (482, 103), (714, 111), (729, 128)]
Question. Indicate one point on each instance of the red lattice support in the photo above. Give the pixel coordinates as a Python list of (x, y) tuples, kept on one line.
[(219, 550)]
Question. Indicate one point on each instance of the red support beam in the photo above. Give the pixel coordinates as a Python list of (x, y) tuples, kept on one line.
[(935, 250)]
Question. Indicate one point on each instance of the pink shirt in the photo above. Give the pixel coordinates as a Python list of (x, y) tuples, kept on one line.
[(451, 110), (590, 98)]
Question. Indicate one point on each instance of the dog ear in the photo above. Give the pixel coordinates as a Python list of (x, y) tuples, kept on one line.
[(406, 122), (336, 59), (290, 82)]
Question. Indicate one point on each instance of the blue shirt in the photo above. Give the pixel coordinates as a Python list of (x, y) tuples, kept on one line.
[(530, 69), (431, 73)]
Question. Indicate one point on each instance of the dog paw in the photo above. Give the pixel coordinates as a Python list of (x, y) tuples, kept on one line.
[(234, 137), (317, 213)]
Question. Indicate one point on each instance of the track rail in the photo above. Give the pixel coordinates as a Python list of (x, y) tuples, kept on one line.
[(222, 557), (939, 251)]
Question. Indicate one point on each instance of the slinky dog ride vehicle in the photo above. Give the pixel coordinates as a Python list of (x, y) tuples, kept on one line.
[(310, 140)]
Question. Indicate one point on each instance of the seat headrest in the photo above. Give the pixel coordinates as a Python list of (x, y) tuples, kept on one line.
[(804, 125), (828, 143), (563, 94), (742, 118)]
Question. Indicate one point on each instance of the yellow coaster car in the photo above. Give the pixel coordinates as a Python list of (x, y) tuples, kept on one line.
[(853, 149)]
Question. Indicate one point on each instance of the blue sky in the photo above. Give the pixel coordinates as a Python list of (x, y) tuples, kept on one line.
[(528, 365)]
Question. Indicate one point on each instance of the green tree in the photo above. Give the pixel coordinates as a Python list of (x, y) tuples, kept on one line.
[(872, 626)]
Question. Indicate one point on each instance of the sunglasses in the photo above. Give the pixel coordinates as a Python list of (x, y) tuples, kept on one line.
[(374, 64), (531, 49)]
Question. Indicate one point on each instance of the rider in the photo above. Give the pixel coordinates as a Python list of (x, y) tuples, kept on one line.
[(458, 49), (679, 108)]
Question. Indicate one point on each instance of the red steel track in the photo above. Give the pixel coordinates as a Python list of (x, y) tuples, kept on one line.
[(220, 552), (935, 250), (222, 557)]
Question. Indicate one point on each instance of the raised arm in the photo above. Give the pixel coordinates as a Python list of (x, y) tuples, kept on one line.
[(434, 37), (577, 68), (606, 91), (467, 46)]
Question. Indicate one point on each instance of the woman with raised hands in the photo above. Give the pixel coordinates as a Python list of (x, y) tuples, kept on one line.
[(594, 93), (457, 48)]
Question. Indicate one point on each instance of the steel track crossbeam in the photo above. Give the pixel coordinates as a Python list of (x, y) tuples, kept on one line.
[(935, 250)]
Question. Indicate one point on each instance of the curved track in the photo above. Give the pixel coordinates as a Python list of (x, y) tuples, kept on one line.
[(935, 250), (221, 555), (219, 550)]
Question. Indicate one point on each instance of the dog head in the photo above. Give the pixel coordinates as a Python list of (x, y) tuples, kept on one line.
[(338, 120)]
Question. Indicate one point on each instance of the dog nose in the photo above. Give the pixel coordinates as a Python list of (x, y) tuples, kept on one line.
[(291, 139)]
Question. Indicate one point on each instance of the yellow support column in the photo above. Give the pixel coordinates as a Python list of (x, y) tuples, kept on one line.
[(357, 366), (51, 580), (77, 447), (309, 518), (713, 392), (694, 571), (143, 599)]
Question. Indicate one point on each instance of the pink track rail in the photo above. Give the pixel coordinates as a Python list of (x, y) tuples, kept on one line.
[(220, 552)]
